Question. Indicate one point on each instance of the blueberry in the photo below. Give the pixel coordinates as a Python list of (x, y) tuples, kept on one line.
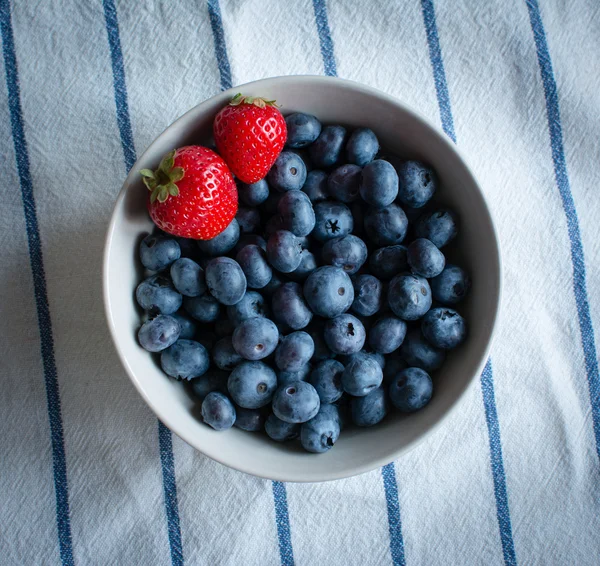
[(253, 261), (272, 286), (158, 296), (343, 183), (252, 384), (369, 409), (409, 296), (327, 148), (388, 261), (283, 251), (320, 433), (188, 326), (157, 252), (411, 390), (226, 280), (361, 375), (188, 277), (218, 411), (387, 334), (204, 308), (328, 291), (386, 226), (333, 220), (253, 194), (159, 333), (417, 352), (308, 264), (451, 286), (185, 359), (273, 224), (252, 305), (322, 351), (224, 354), (326, 378), (250, 240), (294, 351), (348, 253), (296, 402), (344, 334), (212, 380), (297, 214), (255, 338), (424, 258), (250, 420), (248, 220), (379, 184), (439, 226), (223, 242), (289, 306), (281, 431), (288, 172), (444, 328), (416, 183), (379, 358), (270, 205), (302, 129), (285, 377), (393, 366), (368, 295), (362, 147), (315, 186)]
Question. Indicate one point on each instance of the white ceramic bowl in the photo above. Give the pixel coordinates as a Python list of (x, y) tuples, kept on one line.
[(400, 130)]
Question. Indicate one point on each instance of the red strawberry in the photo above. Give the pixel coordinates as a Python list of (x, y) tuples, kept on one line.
[(250, 133), (192, 193)]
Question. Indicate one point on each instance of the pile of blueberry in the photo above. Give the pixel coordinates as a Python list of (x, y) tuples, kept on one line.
[(320, 304)]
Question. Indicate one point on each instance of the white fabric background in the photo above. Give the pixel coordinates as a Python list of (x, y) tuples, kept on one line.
[(447, 501)]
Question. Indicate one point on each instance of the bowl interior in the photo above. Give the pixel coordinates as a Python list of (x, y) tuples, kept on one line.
[(402, 132)]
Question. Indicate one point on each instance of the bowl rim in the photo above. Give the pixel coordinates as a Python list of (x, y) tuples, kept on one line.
[(375, 463)]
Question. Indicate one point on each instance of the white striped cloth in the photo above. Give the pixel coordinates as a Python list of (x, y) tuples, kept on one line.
[(88, 476)]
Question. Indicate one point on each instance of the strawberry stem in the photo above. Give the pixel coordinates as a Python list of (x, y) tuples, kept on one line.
[(161, 183), (256, 100)]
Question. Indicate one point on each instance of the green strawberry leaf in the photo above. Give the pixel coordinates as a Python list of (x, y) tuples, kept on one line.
[(154, 195), (173, 190), (163, 193), (147, 173), (167, 162), (150, 183), (176, 174)]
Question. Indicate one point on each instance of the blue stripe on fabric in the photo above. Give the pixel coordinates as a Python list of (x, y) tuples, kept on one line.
[(393, 509), (282, 519), (497, 463), (439, 74), (487, 382), (36, 259), (216, 23), (325, 38), (123, 118), (564, 187), (118, 68)]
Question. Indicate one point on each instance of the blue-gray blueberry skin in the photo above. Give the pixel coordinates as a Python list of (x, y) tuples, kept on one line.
[(308, 264), (213, 380), (224, 355), (280, 431), (326, 378), (250, 239), (250, 420), (361, 376), (328, 291), (302, 129), (348, 253), (255, 338), (439, 226), (189, 327), (218, 411), (409, 296), (388, 261), (253, 194), (157, 295), (188, 277), (284, 251), (288, 172), (451, 286), (186, 359), (368, 295), (252, 305), (332, 220), (418, 352), (320, 433), (286, 377), (444, 328), (327, 149), (387, 334), (386, 226), (370, 409), (362, 147), (294, 351), (158, 253), (222, 243), (159, 333), (289, 306), (424, 258), (379, 184), (344, 334), (315, 186), (203, 309), (297, 214), (343, 183), (248, 220), (225, 280), (417, 183), (296, 402), (252, 385), (411, 390)]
